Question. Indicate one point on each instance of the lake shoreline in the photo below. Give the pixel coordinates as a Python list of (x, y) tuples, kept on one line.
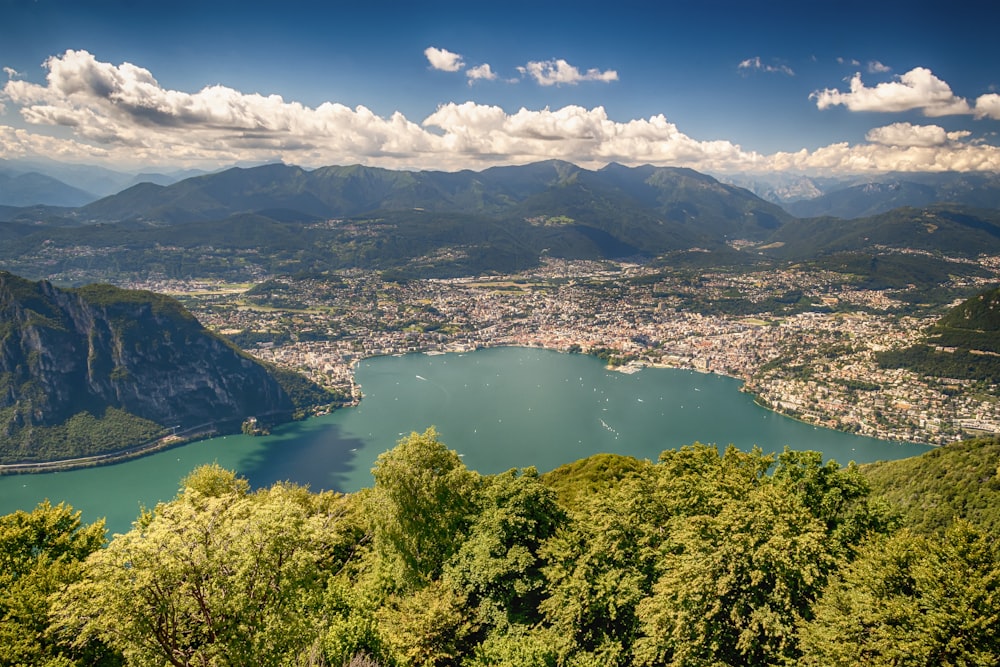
[(503, 408), (139, 451)]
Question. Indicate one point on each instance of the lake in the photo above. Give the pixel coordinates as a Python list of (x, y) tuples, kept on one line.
[(499, 408)]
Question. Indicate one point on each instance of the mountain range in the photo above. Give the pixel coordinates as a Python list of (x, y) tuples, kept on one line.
[(679, 196), (284, 219), (31, 188), (48, 183), (871, 197), (41, 182)]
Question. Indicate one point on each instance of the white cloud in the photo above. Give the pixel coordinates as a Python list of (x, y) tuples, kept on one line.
[(122, 117), (480, 73), (125, 111), (573, 133), (988, 106), (443, 60), (875, 67), (844, 158), (17, 143), (12, 73), (848, 61), (556, 72), (758, 65), (917, 89), (904, 135), (907, 134)]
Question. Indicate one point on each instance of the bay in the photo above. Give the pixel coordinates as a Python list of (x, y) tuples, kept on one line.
[(499, 408)]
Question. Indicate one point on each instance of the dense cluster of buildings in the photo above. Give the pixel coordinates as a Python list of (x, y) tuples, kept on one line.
[(815, 361)]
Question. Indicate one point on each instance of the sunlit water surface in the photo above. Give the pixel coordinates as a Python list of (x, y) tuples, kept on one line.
[(499, 408)]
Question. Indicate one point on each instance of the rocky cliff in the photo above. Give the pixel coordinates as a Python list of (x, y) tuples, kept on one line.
[(67, 352)]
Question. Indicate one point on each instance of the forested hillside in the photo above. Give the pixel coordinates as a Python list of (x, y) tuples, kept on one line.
[(703, 558), (277, 219), (98, 369), (964, 344), (933, 491)]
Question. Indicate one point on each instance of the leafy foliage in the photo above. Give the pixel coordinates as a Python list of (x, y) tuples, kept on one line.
[(499, 566), (748, 556), (956, 481), (706, 557), (911, 600), (41, 552), (218, 576), (419, 480), (592, 477)]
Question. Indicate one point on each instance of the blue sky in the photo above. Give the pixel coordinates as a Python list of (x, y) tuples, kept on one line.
[(723, 87)]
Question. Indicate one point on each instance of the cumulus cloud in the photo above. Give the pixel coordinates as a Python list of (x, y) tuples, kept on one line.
[(120, 115), (877, 158), (573, 133), (988, 106), (123, 109), (443, 60), (480, 73), (875, 67), (917, 89), (557, 72), (848, 61), (907, 134), (756, 64)]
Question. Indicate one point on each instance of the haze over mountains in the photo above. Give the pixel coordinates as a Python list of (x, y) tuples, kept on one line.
[(49, 183)]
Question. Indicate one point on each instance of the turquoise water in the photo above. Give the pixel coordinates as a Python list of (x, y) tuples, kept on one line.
[(499, 408)]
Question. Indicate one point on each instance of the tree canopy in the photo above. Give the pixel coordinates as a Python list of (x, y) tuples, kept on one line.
[(705, 557)]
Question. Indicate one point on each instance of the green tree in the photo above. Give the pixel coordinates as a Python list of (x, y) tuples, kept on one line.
[(516, 646), (598, 568), (217, 576), (351, 617), (42, 552), (696, 479), (960, 481), (747, 553), (575, 482), (734, 584), (602, 565), (427, 627), (499, 567), (911, 600), (838, 497), (421, 507)]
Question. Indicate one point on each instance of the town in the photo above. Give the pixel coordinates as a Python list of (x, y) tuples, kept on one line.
[(809, 353)]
